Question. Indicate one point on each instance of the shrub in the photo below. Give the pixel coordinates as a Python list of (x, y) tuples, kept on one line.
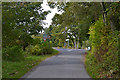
[(104, 44), (99, 34), (14, 53), (86, 44), (37, 41), (47, 48), (40, 49), (34, 50)]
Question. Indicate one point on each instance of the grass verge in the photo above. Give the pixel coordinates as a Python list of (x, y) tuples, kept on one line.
[(91, 65), (18, 69), (96, 69)]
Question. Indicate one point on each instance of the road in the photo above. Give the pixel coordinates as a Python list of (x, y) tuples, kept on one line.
[(67, 64)]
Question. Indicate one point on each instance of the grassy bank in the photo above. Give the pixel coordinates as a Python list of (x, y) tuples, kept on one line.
[(91, 66), (19, 68), (97, 70)]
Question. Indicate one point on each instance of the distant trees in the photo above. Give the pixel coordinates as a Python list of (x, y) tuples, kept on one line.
[(95, 24), (77, 17), (92, 24)]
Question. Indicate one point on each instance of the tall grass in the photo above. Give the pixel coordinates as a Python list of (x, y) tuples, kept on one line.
[(16, 69)]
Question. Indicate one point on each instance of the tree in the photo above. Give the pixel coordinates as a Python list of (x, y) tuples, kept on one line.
[(77, 17), (19, 18)]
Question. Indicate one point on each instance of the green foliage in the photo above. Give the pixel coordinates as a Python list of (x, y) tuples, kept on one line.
[(34, 50), (110, 58), (86, 44), (40, 48), (47, 48), (111, 62), (104, 44), (77, 17), (37, 41), (91, 65), (20, 19), (18, 69), (107, 69), (95, 33), (14, 53), (99, 35), (25, 39)]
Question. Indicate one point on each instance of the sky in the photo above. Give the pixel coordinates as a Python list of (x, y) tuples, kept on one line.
[(49, 17)]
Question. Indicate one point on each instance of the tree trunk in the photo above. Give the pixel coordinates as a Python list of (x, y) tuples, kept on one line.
[(112, 26), (112, 20), (68, 43), (104, 12), (75, 43), (96, 16), (78, 43), (65, 44), (24, 47)]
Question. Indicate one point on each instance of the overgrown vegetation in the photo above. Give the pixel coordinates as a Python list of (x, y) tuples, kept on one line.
[(10, 52), (39, 48), (94, 25), (81, 25), (23, 46), (103, 58), (17, 62), (16, 69), (103, 61)]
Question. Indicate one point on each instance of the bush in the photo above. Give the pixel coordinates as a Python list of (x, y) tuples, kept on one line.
[(47, 48), (34, 50), (37, 41), (106, 69), (99, 38), (104, 44), (86, 44), (40, 49), (14, 53)]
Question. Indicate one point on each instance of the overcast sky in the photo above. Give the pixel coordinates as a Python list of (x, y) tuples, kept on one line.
[(49, 17)]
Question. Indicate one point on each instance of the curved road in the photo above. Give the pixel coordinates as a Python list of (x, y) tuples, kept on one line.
[(68, 64)]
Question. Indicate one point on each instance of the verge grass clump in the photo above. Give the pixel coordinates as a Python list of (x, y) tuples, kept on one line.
[(15, 69), (14, 53)]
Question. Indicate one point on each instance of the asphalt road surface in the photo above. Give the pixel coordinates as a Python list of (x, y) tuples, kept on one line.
[(67, 64)]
